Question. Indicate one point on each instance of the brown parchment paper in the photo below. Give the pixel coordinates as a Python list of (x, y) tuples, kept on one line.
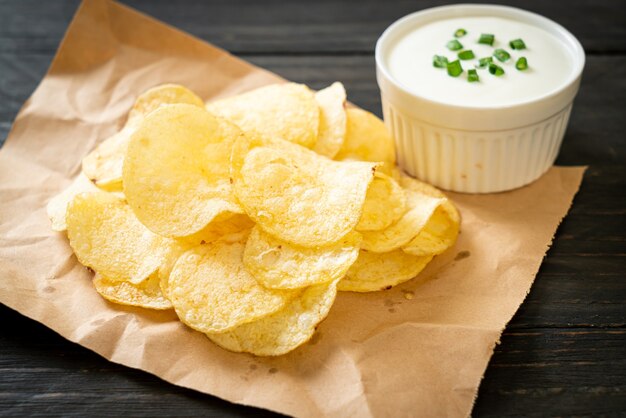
[(418, 349)]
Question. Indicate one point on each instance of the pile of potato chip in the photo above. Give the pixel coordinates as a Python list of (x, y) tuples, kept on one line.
[(246, 215)]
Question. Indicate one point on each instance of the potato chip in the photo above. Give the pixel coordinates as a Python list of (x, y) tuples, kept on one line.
[(413, 184), (104, 164), (284, 330), (278, 111), (212, 292), (385, 203), (176, 170), (165, 94), (441, 230), (367, 139), (146, 294), (175, 250), (106, 236), (297, 195), (57, 206), (215, 230), (224, 224), (380, 271), (420, 208), (438, 235), (332, 129), (278, 264)]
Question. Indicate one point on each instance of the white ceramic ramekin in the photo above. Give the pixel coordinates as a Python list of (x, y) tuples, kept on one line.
[(476, 149)]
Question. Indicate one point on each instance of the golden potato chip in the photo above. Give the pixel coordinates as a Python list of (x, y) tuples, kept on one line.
[(332, 129), (224, 224), (441, 230), (297, 195), (439, 234), (175, 250), (164, 94), (380, 271), (278, 264), (176, 170), (107, 237), (278, 111), (104, 164), (420, 208), (367, 139), (57, 206), (214, 231), (284, 330), (385, 203), (146, 294), (410, 183), (212, 292)]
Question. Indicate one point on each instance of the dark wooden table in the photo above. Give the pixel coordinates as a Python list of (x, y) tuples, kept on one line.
[(563, 354)]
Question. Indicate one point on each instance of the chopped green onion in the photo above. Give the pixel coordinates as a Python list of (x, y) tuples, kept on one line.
[(496, 70), (484, 62), (517, 44), (466, 55), (454, 45), (459, 33), (486, 38), (521, 64), (501, 55), (439, 61), (472, 76), (454, 68)]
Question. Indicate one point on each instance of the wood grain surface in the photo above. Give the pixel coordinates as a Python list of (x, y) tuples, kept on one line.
[(563, 354)]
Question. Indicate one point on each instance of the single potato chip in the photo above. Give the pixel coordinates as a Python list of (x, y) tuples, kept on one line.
[(104, 164), (214, 231), (107, 237), (297, 195), (224, 224), (441, 230), (212, 292), (385, 203), (367, 139), (57, 206), (420, 209), (333, 125), (278, 111), (380, 271), (176, 170), (176, 249), (164, 94), (146, 294), (284, 330), (278, 264), (439, 234)]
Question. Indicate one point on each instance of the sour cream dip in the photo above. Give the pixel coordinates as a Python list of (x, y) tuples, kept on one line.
[(495, 134), (410, 62)]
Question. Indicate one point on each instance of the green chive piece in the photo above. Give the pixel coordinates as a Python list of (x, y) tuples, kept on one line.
[(439, 61), (472, 76), (454, 45), (454, 68), (484, 62), (459, 33), (517, 44), (486, 38), (521, 64), (466, 55), (496, 70), (501, 55)]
